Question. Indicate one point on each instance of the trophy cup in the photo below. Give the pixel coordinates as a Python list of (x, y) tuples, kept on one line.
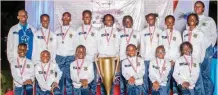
[(107, 68)]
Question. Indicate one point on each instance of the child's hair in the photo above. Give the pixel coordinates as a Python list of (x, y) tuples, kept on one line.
[(108, 15), (196, 16), (87, 11), (201, 3), (81, 46), (66, 13), (22, 44), (151, 14), (183, 44), (44, 15), (169, 16), (159, 47), (130, 46), (45, 51), (127, 17)]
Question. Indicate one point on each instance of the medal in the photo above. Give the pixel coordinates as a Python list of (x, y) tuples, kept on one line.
[(23, 67), (134, 68), (189, 35), (63, 37), (78, 68), (46, 72), (44, 37), (189, 64), (108, 39), (169, 38), (151, 34), (85, 37), (128, 38), (163, 67)]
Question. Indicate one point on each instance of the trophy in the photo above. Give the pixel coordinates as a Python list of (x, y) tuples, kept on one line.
[(107, 68)]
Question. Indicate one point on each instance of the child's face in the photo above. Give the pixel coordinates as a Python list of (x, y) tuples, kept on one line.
[(22, 51), (160, 53), (199, 9), (186, 50), (45, 21), (192, 20), (151, 20), (87, 18), (80, 53), (45, 57), (108, 21), (22, 16), (131, 51), (169, 23), (128, 23), (66, 19)]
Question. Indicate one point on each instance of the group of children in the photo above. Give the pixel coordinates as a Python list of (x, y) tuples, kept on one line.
[(64, 60)]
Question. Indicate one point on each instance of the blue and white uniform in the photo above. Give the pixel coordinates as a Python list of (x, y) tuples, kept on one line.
[(46, 74), (159, 70), (81, 69), (44, 39), (20, 34), (66, 46), (134, 67), (22, 69), (186, 70)]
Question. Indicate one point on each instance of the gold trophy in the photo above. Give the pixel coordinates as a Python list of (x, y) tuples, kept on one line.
[(107, 68)]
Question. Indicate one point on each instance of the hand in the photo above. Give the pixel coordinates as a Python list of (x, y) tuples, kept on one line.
[(54, 84), (185, 85), (29, 81), (131, 80), (172, 63), (156, 86), (84, 82)]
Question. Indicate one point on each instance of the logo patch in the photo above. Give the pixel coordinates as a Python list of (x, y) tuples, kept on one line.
[(174, 38), (195, 35)]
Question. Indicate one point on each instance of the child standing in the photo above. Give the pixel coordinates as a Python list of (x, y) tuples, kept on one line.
[(159, 69), (22, 70), (86, 35), (186, 70), (82, 72), (149, 42), (127, 36), (171, 40), (48, 75), (108, 42), (133, 71), (44, 39), (66, 44)]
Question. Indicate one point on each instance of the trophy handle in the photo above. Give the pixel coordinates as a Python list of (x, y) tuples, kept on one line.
[(117, 67), (96, 60)]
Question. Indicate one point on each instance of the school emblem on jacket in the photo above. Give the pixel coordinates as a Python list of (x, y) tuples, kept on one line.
[(204, 24), (85, 68), (174, 38), (158, 35), (114, 35), (195, 35), (52, 71), (134, 36), (28, 66), (194, 65), (71, 35), (92, 34), (51, 39)]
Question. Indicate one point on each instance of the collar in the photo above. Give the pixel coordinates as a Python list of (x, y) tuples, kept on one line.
[(44, 29), (65, 27), (24, 27)]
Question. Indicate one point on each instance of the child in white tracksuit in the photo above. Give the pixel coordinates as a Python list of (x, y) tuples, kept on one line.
[(159, 69), (186, 70), (133, 71)]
